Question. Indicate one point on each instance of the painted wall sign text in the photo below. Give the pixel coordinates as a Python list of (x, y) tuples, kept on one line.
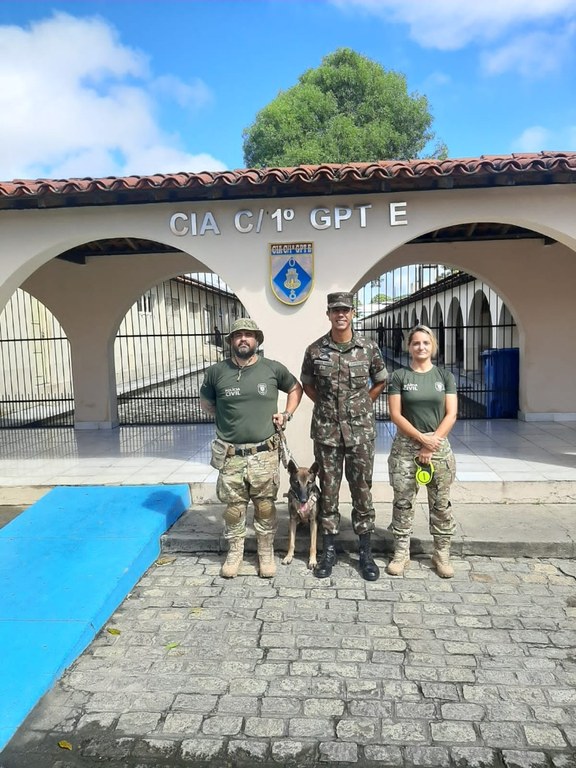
[(261, 220)]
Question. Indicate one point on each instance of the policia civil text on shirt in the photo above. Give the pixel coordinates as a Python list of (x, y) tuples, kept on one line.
[(343, 373), (423, 405), (242, 393)]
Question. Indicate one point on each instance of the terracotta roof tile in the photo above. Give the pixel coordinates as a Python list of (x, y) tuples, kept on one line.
[(303, 180)]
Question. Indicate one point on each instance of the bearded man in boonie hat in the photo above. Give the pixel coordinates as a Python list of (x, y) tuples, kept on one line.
[(242, 394), (245, 324)]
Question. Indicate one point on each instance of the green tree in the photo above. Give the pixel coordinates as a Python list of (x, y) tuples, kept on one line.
[(349, 109)]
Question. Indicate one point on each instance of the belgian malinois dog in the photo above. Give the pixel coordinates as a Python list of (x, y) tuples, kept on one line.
[(303, 500)]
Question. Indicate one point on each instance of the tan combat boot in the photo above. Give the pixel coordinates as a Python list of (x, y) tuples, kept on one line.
[(441, 557), (234, 559), (401, 559), (266, 564)]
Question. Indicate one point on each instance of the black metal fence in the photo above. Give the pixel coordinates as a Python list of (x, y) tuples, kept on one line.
[(164, 345), (36, 376), (175, 331)]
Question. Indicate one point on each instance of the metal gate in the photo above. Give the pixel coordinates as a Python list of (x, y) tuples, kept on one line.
[(164, 344), (36, 379), (477, 335), (174, 332)]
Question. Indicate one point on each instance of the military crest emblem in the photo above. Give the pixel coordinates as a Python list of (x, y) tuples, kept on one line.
[(291, 271)]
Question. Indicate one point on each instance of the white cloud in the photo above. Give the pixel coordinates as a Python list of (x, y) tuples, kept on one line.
[(537, 138), (76, 102), (436, 80), (193, 95), (533, 139), (534, 55), (455, 24), (452, 24)]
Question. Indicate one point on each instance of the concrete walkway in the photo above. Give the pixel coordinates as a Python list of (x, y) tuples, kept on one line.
[(192, 670), (295, 671)]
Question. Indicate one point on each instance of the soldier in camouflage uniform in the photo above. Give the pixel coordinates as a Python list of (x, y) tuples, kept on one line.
[(242, 393), (423, 405), (343, 373)]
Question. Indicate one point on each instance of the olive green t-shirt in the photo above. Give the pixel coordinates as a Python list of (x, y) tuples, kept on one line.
[(423, 395), (246, 400)]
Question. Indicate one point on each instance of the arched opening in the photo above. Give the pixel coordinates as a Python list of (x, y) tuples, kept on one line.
[(507, 334), (478, 331), (167, 339), (466, 314), (36, 383)]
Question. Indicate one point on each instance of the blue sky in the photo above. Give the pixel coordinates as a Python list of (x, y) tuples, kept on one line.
[(120, 87)]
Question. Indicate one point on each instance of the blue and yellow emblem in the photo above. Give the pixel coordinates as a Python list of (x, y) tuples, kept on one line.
[(291, 271)]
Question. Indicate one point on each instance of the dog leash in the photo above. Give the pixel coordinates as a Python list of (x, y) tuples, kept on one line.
[(285, 454)]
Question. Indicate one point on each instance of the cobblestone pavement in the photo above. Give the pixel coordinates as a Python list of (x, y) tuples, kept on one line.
[(194, 670)]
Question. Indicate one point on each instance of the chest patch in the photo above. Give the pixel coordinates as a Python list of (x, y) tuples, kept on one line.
[(262, 389)]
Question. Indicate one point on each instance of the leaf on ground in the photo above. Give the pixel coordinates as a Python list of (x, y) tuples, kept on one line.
[(170, 646), (165, 560), (197, 609), (64, 744), (113, 631)]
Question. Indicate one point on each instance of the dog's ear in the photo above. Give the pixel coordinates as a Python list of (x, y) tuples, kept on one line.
[(314, 468), (291, 467)]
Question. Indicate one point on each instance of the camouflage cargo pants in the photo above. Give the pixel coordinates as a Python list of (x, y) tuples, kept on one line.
[(358, 462), (245, 478), (402, 472)]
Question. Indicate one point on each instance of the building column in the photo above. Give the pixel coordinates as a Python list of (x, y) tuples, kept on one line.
[(94, 379)]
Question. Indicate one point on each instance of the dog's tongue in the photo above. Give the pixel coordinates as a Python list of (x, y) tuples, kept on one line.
[(303, 507)]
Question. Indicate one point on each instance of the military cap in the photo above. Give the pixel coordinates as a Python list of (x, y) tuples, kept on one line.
[(340, 299), (245, 324)]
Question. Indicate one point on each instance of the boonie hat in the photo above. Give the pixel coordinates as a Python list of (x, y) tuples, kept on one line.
[(245, 324), (340, 299), (424, 472)]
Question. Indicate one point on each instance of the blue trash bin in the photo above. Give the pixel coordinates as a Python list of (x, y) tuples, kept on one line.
[(501, 379)]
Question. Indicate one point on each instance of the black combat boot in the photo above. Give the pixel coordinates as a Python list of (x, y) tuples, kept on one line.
[(328, 559), (368, 567)]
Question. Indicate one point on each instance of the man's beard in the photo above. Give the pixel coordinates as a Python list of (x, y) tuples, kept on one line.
[(245, 353)]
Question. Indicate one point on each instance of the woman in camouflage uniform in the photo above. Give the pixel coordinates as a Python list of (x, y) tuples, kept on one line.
[(423, 405)]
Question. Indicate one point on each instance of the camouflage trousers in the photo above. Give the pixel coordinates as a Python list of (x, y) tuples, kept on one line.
[(249, 478), (358, 461), (402, 471)]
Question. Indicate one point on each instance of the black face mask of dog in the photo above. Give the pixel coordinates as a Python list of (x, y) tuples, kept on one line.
[(303, 497), (303, 486)]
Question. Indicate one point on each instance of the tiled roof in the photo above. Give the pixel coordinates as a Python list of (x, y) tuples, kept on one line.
[(303, 180)]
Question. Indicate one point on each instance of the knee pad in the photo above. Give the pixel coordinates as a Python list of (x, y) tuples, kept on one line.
[(264, 509), (233, 514)]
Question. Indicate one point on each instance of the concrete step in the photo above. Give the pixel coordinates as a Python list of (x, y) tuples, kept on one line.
[(488, 529), (465, 492)]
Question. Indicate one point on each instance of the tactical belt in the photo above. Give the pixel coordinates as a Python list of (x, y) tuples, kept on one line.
[(249, 450)]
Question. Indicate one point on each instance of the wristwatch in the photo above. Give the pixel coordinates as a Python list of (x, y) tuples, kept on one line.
[(287, 416)]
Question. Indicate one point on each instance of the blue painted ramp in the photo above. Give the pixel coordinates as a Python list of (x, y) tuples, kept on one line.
[(66, 563)]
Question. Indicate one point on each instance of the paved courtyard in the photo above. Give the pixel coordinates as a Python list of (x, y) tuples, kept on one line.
[(194, 670)]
